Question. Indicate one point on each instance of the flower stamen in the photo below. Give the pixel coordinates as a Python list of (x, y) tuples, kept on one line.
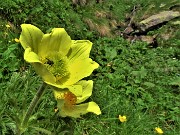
[(57, 65), (70, 99)]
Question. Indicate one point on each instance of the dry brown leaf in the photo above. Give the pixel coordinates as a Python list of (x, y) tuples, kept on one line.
[(100, 14), (128, 30), (90, 24), (147, 39), (104, 30), (113, 24)]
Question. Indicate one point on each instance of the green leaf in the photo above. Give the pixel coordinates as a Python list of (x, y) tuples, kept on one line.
[(149, 84), (176, 82)]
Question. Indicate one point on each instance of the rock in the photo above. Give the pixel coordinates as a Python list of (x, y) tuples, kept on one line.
[(157, 19)]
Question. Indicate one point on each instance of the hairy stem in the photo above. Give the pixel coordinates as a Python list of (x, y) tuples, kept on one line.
[(32, 106)]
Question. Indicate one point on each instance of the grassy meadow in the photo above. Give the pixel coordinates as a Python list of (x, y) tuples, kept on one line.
[(134, 79)]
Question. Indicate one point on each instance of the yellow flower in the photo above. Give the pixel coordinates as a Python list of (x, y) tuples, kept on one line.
[(8, 26), (159, 130), (59, 60), (122, 118), (16, 40), (56, 109), (68, 99)]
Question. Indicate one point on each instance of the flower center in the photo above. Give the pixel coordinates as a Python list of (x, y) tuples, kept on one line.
[(57, 65), (69, 98)]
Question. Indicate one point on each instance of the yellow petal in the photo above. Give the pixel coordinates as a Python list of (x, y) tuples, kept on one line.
[(31, 37), (94, 108), (57, 41), (75, 89), (30, 56), (80, 69), (44, 73), (16, 40), (8, 26), (40, 69), (82, 90), (80, 50), (80, 65), (56, 109), (159, 130), (78, 110), (87, 87)]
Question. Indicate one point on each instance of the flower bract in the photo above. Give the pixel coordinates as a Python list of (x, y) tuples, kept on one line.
[(69, 100), (59, 60)]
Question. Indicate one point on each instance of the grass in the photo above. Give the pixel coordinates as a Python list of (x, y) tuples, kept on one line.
[(133, 79)]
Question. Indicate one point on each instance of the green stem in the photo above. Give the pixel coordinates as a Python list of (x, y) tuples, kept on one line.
[(32, 106)]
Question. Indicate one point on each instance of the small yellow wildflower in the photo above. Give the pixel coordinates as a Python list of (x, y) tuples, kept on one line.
[(122, 118), (16, 40), (56, 109), (159, 130), (8, 26)]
